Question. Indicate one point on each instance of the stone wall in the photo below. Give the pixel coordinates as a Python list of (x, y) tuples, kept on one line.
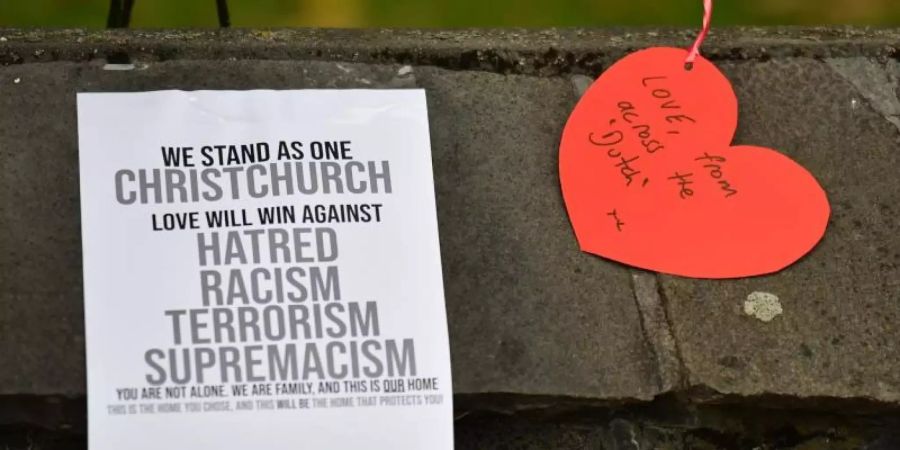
[(552, 348)]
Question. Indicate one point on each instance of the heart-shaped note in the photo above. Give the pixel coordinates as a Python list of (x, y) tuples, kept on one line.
[(650, 178)]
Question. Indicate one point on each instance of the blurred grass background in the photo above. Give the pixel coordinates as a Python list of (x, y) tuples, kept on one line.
[(451, 13)]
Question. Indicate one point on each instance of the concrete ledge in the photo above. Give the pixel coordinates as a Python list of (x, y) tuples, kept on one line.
[(540, 52), (532, 320)]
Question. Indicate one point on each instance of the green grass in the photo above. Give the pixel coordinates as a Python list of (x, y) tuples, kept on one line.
[(451, 13)]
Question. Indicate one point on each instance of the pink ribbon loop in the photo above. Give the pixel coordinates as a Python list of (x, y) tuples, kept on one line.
[(694, 51)]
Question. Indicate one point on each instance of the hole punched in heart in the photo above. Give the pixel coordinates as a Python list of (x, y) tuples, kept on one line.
[(710, 209), (694, 51)]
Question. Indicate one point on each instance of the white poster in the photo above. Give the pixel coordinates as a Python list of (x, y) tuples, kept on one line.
[(262, 271)]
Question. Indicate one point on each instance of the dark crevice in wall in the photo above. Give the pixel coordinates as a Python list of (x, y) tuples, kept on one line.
[(506, 421)]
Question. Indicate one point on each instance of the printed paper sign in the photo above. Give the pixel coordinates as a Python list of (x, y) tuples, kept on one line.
[(262, 270)]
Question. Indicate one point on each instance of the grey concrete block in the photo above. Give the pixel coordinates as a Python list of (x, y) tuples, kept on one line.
[(529, 314), (532, 320), (838, 334)]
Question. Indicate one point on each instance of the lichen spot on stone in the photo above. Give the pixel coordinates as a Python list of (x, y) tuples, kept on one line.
[(763, 306)]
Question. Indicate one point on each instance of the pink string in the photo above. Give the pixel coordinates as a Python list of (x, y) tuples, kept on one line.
[(695, 49)]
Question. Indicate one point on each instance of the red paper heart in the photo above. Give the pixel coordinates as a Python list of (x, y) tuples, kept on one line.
[(650, 179)]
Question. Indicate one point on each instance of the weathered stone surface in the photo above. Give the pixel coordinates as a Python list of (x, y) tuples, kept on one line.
[(838, 334), (529, 314), (875, 80), (659, 425), (531, 318), (41, 314), (541, 52)]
